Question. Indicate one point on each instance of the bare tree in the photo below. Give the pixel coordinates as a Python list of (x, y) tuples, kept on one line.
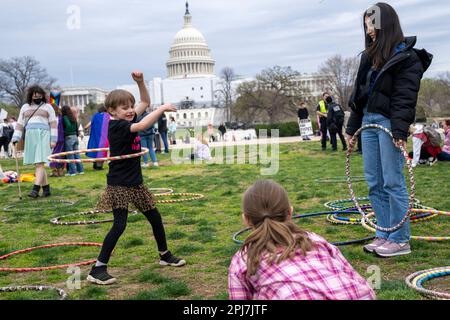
[(270, 97), (227, 76), (17, 74), (341, 75), (434, 96)]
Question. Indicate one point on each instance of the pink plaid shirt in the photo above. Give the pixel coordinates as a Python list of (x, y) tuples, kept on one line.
[(324, 274)]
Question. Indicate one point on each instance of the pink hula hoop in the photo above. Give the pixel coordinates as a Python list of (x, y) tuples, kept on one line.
[(52, 158)]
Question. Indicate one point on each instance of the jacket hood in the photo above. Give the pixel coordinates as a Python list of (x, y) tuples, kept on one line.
[(425, 57)]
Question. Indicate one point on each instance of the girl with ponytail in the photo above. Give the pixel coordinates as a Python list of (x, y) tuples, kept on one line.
[(280, 261)]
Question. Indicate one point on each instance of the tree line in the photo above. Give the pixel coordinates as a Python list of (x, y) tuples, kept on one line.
[(271, 97)]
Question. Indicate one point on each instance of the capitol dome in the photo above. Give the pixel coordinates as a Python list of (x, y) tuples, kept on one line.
[(189, 54)]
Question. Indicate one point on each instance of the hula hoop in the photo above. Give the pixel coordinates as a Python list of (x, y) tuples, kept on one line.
[(62, 294), (339, 179), (336, 204), (65, 244), (425, 238), (194, 196), (57, 221), (308, 215), (162, 191), (416, 280), (52, 158), (335, 219), (414, 218), (350, 186), (8, 208)]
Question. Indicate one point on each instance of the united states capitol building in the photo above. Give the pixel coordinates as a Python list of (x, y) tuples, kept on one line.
[(192, 84)]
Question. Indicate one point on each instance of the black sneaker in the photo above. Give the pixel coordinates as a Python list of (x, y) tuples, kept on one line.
[(99, 275), (168, 259)]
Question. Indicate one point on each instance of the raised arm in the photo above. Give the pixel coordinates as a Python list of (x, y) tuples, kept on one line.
[(152, 118), (143, 92)]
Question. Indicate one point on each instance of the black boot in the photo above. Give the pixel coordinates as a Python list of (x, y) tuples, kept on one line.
[(35, 192), (46, 191)]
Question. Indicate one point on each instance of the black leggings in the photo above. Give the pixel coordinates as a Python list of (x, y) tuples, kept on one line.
[(119, 225)]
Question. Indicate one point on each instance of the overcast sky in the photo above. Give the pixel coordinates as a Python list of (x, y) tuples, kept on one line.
[(116, 37)]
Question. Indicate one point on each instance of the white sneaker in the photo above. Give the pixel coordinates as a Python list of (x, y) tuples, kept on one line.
[(145, 165), (155, 164)]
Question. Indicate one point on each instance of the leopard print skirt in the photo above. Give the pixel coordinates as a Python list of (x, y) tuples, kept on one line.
[(119, 197)]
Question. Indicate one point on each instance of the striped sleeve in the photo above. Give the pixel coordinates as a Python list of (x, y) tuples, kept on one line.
[(53, 121), (18, 131)]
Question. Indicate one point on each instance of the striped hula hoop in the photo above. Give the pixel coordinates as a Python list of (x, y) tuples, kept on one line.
[(350, 186), (417, 216), (62, 294), (160, 191), (193, 196), (416, 280), (57, 221), (425, 238), (13, 207), (52, 158), (65, 244), (307, 215)]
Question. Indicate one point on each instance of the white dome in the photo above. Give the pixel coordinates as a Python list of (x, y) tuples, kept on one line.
[(189, 34), (189, 54)]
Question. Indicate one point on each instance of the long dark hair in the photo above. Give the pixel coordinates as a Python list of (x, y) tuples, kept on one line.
[(35, 89), (388, 36), (66, 111)]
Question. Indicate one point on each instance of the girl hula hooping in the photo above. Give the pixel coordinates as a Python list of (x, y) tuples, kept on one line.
[(124, 179)]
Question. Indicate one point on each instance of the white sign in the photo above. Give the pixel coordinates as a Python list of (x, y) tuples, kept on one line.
[(3, 114), (305, 126)]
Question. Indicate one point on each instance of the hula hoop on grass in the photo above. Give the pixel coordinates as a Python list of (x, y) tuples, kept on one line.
[(418, 216), (52, 158), (350, 186), (57, 221), (337, 204), (193, 196), (425, 238), (416, 280), (62, 294), (13, 207), (339, 179), (308, 215), (65, 244), (162, 191)]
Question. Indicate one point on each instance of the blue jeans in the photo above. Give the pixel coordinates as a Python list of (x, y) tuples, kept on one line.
[(147, 142), (71, 144), (383, 169), (443, 156), (164, 139)]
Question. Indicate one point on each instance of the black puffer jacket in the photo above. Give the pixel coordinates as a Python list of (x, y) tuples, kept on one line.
[(395, 91)]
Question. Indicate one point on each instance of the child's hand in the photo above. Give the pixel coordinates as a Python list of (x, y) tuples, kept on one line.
[(137, 76), (169, 107)]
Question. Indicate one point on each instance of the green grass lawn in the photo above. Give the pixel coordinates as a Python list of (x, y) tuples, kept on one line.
[(201, 231)]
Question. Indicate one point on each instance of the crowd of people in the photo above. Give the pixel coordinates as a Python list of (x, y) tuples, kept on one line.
[(278, 260)]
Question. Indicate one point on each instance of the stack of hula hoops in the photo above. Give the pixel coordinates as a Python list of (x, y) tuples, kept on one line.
[(343, 208)]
